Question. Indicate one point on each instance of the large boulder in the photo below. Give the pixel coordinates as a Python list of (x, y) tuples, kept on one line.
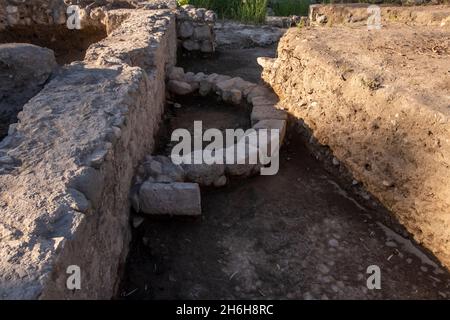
[(24, 70)]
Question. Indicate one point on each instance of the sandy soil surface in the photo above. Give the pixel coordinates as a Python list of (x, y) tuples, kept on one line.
[(296, 235)]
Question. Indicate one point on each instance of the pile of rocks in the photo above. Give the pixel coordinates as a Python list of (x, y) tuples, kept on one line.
[(234, 90), (196, 29), (162, 187), (125, 4), (54, 12), (195, 26)]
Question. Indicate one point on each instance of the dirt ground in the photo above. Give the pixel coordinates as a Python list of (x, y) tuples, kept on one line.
[(295, 235), (181, 112), (231, 62)]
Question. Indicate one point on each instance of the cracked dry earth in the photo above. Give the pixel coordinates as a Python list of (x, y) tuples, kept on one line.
[(300, 234)]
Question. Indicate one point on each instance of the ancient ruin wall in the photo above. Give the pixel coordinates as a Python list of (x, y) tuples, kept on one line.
[(67, 167), (196, 29), (380, 101), (28, 13), (358, 14)]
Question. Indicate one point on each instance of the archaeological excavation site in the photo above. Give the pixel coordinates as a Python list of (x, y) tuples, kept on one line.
[(177, 150)]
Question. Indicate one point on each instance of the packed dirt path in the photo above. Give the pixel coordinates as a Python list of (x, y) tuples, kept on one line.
[(297, 235)]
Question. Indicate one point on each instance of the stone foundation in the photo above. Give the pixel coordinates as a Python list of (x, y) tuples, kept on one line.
[(159, 180), (14, 13), (66, 168), (196, 29)]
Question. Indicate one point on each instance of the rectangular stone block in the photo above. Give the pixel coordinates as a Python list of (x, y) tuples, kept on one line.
[(264, 100), (273, 124), (178, 199), (267, 112)]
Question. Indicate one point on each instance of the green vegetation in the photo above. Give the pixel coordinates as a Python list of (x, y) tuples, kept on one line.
[(251, 10), (255, 11), (290, 7), (243, 10)]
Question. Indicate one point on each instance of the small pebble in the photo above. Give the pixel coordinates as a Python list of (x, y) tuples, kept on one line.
[(333, 243), (336, 162)]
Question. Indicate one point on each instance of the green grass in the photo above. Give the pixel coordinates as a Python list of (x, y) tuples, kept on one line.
[(290, 7), (253, 11)]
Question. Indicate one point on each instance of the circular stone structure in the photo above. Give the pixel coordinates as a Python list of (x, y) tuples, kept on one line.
[(159, 180)]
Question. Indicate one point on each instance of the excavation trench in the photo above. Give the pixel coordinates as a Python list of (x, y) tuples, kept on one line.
[(68, 45), (20, 82), (306, 233)]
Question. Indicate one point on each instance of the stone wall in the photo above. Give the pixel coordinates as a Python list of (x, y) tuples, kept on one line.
[(379, 101), (15, 13), (196, 29), (195, 25), (42, 12), (358, 14), (66, 168)]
